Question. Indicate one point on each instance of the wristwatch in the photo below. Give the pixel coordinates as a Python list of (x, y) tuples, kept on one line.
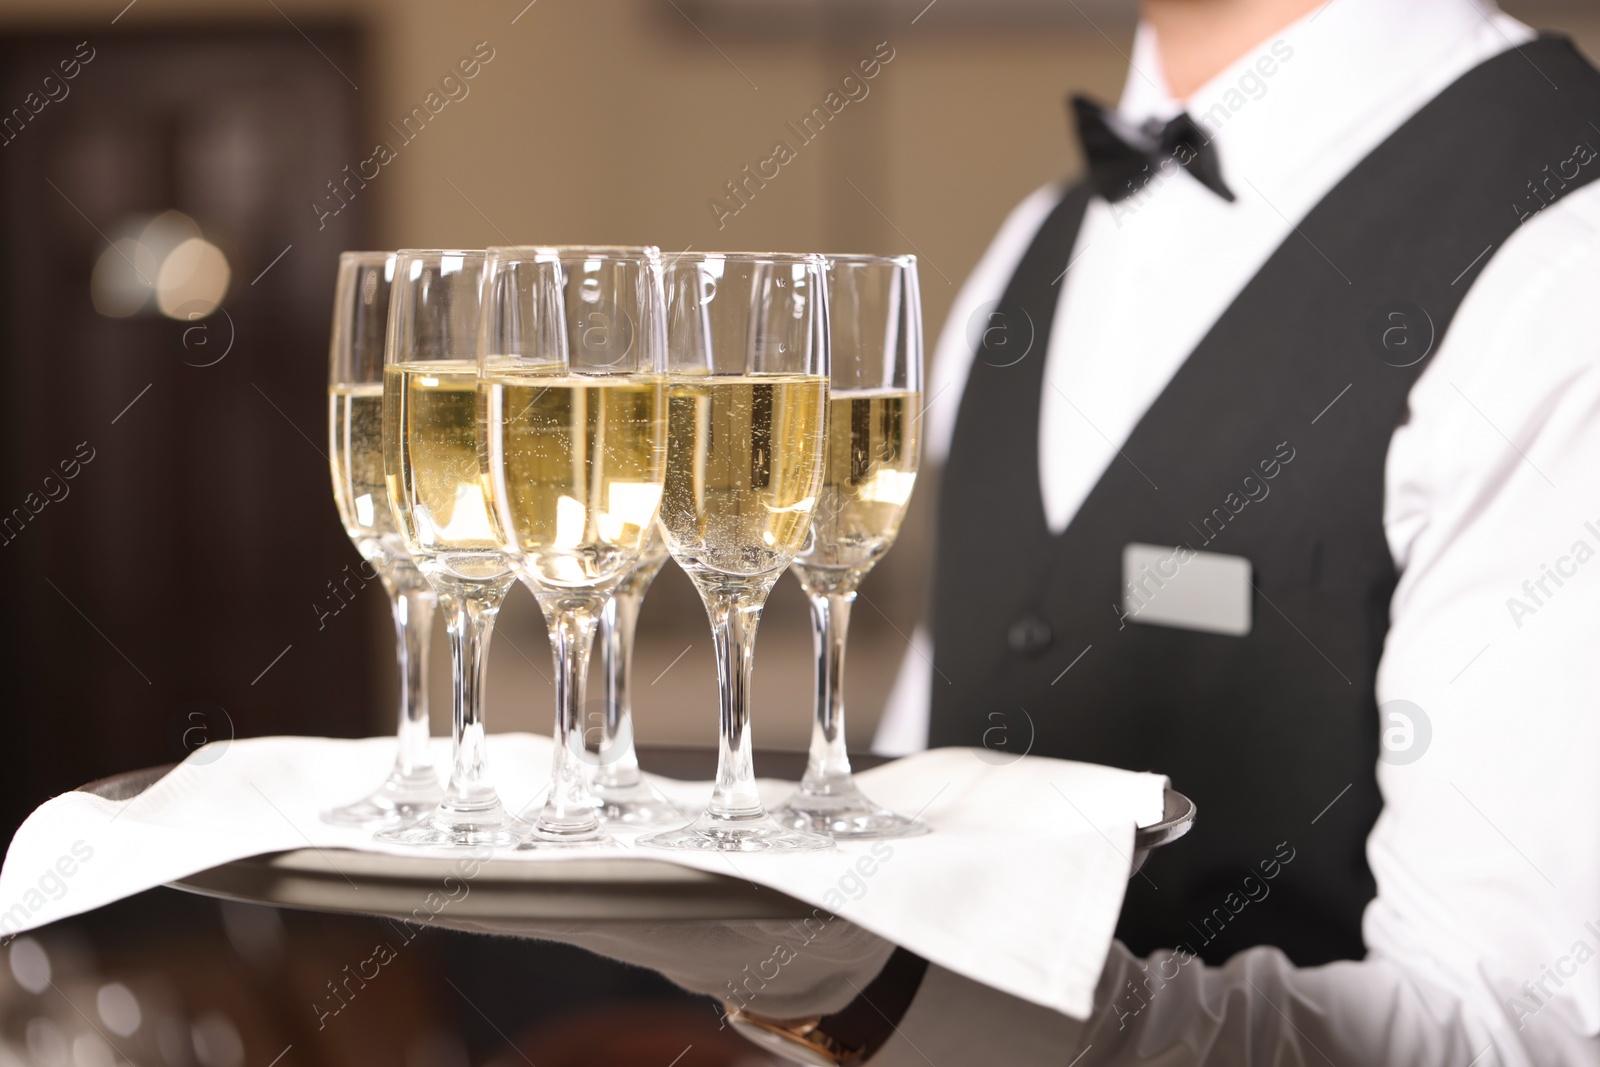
[(849, 1036)]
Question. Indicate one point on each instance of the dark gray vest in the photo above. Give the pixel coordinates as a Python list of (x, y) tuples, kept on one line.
[(1242, 454)]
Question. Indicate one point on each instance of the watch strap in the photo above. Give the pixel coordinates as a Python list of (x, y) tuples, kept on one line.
[(868, 1021), (851, 1035)]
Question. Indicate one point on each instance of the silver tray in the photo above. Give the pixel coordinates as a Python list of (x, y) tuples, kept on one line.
[(370, 883)]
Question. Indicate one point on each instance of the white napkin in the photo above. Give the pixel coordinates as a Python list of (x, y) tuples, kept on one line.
[(1018, 886)]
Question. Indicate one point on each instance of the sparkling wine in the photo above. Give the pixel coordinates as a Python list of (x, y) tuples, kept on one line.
[(355, 438), (744, 465), (870, 468), (431, 466), (575, 471)]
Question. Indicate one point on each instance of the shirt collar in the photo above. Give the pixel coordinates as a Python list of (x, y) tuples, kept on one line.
[(1325, 91), (1145, 94)]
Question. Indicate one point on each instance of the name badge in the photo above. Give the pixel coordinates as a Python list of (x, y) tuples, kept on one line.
[(1190, 590)]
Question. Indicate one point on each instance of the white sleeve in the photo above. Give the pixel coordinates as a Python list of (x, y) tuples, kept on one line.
[(1258, 1010), (1486, 855), (1484, 938), (903, 729)]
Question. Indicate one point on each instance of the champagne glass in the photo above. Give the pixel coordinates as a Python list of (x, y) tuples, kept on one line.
[(431, 466), (355, 452), (747, 394), (874, 413), (619, 786), (571, 352)]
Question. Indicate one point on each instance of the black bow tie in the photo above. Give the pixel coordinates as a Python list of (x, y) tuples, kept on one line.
[(1123, 159)]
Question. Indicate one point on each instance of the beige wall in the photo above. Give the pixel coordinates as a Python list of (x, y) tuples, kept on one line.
[(615, 121)]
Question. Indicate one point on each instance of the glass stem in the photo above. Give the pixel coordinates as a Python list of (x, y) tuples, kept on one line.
[(412, 602), (619, 766), (735, 611), (569, 806), (828, 765), (469, 616)]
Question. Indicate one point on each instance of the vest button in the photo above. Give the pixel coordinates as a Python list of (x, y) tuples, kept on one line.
[(1029, 635)]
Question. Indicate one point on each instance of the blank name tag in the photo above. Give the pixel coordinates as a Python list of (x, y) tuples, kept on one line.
[(1190, 590)]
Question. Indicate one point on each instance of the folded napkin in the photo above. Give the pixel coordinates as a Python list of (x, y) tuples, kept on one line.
[(1018, 886)]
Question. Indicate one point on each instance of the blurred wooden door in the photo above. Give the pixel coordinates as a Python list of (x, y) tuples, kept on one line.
[(168, 592)]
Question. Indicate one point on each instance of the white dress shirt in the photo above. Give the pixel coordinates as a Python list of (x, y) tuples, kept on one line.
[(1484, 938)]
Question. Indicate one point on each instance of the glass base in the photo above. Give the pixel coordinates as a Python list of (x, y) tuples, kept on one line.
[(451, 827), (537, 838), (716, 833), (399, 801), (541, 833), (637, 805), (632, 807), (845, 812)]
